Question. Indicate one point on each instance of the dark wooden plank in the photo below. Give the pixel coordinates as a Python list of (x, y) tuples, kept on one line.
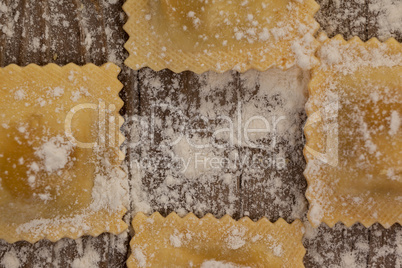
[(172, 106), (62, 21), (355, 246), (10, 17), (276, 192), (336, 247), (272, 175), (345, 17), (385, 246), (92, 27), (384, 19), (34, 46)]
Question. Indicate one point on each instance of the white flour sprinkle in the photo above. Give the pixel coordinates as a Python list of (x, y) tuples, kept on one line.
[(90, 258), (221, 264), (10, 260), (395, 123), (55, 153), (140, 257), (389, 18)]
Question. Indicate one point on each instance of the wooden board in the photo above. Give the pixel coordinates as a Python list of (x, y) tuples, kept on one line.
[(170, 105), (345, 17), (83, 31)]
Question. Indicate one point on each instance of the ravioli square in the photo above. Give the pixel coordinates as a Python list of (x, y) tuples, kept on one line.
[(220, 35), (211, 242), (60, 173), (354, 136)]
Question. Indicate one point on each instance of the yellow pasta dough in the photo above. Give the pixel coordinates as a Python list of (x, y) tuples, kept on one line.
[(354, 135), (193, 242), (60, 172), (219, 35)]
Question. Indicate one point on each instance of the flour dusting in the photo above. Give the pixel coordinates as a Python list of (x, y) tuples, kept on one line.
[(220, 264), (388, 17)]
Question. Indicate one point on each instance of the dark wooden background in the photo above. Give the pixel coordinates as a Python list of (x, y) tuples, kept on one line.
[(90, 31)]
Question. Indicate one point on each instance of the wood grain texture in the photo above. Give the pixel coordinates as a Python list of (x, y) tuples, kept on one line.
[(355, 246), (82, 31), (338, 246), (346, 17), (273, 185), (172, 106), (384, 19)]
